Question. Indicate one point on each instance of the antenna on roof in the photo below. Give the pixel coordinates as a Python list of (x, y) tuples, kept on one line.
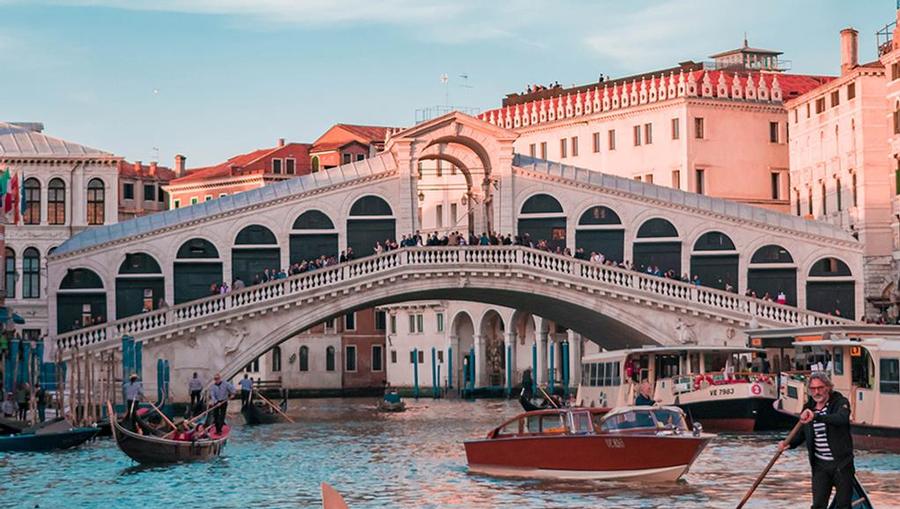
[(446, 79), (745, 40)]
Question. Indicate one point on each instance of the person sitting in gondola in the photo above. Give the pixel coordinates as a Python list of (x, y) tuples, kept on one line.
[(645, 395), (826, 433)]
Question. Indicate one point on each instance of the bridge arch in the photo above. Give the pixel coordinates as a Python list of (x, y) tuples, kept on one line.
[(197, 266), (254, 254), (462, 340), (139, 285), (772, 270), (313, 234), (657, 244), (81, 300), (370, 220), (600, 230), (715, 260), (830, 287), (492, 329), (543, 218)]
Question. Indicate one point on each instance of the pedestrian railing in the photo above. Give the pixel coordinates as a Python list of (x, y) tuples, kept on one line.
[(422, 259)]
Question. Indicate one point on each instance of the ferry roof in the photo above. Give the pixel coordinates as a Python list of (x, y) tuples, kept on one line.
[(873, 344), (786, 337), (659, 349)]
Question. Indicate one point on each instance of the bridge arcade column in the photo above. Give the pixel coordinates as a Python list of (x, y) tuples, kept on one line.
[(540, 338), (480, 361), (406, 209), (574, 358), (454, 362)]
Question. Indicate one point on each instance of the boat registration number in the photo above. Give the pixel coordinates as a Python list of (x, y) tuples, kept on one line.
[(615, 443), (723, 391)]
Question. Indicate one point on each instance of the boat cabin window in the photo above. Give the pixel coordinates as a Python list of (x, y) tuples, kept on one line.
[(533, 424), (630, 420), (601, 374), (667, 366), (670, 420), (553, 423), (838, 361), (889, 381), (862, 368), (582, 423), (509, 429)]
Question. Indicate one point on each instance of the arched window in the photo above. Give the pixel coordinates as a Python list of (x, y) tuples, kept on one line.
[(255, 235), (96, 201), (370, 206), (10, 273), (829, 267), (31, 274), (541, 204), (32, 213), (304, 358), (56, 202), (139, 263), (714, 241), (329, 358), (315, 164), (599, 215), (197, 248), (772, 254), (313, 220), (657, 227), (276, 359)]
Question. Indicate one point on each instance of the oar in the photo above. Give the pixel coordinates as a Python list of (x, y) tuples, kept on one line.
[(275, 407), (112, 418), (769, 466), (548, 397), (194, 419), (170, 423)]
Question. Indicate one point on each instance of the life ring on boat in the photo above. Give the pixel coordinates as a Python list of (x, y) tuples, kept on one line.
[(756, 389)]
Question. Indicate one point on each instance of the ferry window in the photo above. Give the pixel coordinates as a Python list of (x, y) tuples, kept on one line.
[(838, 362), (862, 369), (890, 376), (594, 374), (601, 374)]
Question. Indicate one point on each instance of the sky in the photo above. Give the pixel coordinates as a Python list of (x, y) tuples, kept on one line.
[(148, 79)]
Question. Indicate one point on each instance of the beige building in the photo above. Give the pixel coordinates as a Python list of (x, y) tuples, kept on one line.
[(840, 170)]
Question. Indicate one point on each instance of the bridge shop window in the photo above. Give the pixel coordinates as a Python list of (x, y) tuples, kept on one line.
[(830, 288), (139, 285), (197, 267), (80, 301), (657, 246), (313, 235), (772, 271), (542, 219), (255, 250), (600, 230), (715, 261), (371, 221)]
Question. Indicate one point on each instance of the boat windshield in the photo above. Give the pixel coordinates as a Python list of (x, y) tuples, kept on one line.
[(582, 423), (669, 419), (643, 419)]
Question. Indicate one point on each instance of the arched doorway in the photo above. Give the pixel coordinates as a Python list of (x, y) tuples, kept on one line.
[(492, 332), (255, 250), (715, 261), (197, 268), (830, 288), (657, 245), (541, 219), (772, 270), (81, 301), (371, 221), (139, 285), (600, 230), (462, 334), (313, 235)]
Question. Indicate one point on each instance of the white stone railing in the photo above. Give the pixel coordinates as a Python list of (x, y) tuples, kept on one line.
[(422, 259)]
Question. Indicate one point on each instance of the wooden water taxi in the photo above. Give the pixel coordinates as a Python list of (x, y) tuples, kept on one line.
[(634, 443), (713, 385), (864, 364)]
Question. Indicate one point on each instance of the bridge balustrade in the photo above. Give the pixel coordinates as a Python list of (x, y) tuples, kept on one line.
[(475, 257)]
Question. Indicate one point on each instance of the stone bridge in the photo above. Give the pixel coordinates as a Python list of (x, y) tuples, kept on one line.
[(120, 271)]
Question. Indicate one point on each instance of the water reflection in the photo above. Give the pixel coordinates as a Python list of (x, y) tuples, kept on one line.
[(412, 459)]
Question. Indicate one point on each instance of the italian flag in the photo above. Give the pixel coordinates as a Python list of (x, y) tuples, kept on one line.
[(10, 196)]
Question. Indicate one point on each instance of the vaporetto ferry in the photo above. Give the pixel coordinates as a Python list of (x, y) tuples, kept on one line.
[(715, 386), (864, 364)]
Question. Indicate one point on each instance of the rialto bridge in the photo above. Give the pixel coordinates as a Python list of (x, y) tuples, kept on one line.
[(118, 273)]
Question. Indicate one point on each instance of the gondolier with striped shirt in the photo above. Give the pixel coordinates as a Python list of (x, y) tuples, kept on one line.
[(826, 432), (220, 391)]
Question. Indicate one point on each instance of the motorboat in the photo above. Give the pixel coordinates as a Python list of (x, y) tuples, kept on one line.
[(391, 402), (864, 365), (648, 443), (712, 384)]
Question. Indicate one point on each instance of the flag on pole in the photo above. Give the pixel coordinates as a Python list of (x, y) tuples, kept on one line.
[(23, 201), (4, 184), (11, 201)]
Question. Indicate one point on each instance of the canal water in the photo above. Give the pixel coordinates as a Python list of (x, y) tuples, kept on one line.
[(411, 459)]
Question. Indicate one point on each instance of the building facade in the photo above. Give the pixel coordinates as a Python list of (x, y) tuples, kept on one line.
[(889, 51), (676, 127), (840, 165), (345, 143)]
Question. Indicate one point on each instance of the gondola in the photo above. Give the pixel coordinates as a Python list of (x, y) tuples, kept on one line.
[(257, 412), (146, 449), (10, 426), (46, 440), (528, 404), (859, 500)]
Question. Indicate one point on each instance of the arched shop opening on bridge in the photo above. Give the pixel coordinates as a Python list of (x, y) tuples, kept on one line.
[(255, 250), (658, 245), (197, 268), (492, 337), (542, 218), (81, 300), (600, 230), (312, 235), (462, 339), (830, 288), (772, 270), (139, 285), (715, 261), (371, 221)]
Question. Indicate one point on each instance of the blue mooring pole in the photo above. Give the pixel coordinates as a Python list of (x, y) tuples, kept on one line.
[(449, 367), (509, 380), (434, 378), (472, 367), (566, 375), (416, 372), (552, 348), (534, 373)]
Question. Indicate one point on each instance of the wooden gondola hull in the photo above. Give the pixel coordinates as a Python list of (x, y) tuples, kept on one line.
[(155, 450), (254, 415), (30, 442)]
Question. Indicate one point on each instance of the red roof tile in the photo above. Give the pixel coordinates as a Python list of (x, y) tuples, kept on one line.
[(160, 173), (243, 164)]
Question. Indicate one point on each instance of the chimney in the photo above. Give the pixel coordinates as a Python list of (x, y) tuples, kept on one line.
[(137, 168), (280, 142), (153, 167), (849, 50), (179, 165)]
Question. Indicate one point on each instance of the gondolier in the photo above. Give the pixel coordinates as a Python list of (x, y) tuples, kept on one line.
[(134, 393), (246, 384), (220, 391), (826, 432)]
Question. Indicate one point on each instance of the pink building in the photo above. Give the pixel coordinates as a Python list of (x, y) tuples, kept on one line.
[(717, 128), (840, 170), (889, 49)]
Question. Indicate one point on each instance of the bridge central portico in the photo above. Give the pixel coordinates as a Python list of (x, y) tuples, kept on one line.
[(120, 272)]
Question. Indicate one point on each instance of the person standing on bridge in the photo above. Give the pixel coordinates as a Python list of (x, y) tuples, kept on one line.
[(195, 386), (134, 393), (219, 392), (246, 384)]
